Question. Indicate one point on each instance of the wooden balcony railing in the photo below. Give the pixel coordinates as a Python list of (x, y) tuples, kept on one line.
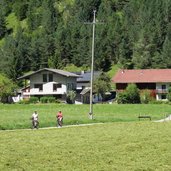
[(156, 91), (161, 91)]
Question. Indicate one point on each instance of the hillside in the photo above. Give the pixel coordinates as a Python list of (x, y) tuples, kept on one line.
[(52, 33)]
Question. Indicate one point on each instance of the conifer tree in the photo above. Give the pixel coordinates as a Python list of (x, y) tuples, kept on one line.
[(3, 28)]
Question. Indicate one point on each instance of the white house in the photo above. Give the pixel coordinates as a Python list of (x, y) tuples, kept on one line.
[(49, 82)]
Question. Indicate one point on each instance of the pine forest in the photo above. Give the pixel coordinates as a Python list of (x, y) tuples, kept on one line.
[(36, 34)]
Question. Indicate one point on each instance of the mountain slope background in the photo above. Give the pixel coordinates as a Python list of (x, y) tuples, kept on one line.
[(52, 33)]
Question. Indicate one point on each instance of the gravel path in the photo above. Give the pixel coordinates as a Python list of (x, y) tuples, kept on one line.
[(165, 119), (66, 126)]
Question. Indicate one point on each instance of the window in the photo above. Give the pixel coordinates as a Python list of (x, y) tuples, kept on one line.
[(45, 78), (163, 96), (50, 77), (55, 86), (39, 86), (163, 87), (71, 86)]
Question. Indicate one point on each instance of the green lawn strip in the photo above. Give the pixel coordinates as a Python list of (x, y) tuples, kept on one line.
[(114, 146), (17, 116)]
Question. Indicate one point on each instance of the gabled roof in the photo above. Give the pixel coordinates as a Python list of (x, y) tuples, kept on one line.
[(57, 71), (86, 77), (143, 76), (84, 91)]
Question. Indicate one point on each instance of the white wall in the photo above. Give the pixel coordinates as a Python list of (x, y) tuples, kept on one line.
[(159, 88), (48, 87), (159, 85), (80, 85)]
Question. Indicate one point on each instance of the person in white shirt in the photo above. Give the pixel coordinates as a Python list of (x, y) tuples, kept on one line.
[(35, 121)]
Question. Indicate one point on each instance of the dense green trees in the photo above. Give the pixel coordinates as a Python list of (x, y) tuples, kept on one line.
[(102, 85), (7, 88), (134, 34), (3, 28)]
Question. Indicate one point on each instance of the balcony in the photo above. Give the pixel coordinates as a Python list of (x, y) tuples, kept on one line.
[(161, 91)]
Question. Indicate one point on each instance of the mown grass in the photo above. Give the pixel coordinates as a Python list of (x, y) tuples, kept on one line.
[(129, 146), (18, 116)]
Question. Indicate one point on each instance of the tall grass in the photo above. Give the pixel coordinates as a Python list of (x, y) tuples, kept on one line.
[(18, 115), (109, 147)]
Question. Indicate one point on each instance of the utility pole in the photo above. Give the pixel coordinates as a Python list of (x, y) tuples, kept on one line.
[(92, 64), (92, 67)]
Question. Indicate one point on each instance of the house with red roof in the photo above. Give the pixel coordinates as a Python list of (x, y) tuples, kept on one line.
[(156, 80)]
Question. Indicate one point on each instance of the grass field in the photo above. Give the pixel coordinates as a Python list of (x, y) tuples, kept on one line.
[(18, 116), (126, 146)]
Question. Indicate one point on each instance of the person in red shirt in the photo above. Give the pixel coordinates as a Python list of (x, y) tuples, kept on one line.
[(59, 117)]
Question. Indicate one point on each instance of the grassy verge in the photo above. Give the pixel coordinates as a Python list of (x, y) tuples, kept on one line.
[(114, 146), (18, 116)]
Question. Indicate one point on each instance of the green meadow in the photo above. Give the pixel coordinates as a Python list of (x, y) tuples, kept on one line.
[(16, 116), (120, 143), (126, 146)]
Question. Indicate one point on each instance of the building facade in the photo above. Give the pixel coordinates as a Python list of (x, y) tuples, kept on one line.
[(156, 80), (48, 82)]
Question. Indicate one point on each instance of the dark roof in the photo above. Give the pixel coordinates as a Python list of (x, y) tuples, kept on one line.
[(57, 71), (84, 91), (86, 77), (143, 76)]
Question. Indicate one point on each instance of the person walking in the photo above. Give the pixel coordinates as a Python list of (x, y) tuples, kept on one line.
[(59, 117), (34, 119)]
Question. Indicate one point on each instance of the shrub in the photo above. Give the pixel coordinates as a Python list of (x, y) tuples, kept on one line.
[(156, 102), (169, 94), (133, 94), (122, 98), (47, 99), (33, 100), (51, 99), (24, 101), (145, 96), (57, 101), (43, 99), (130, 95), (70, 97)]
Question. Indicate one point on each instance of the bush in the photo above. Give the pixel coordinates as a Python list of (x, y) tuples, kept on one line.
[(51, 99), (133, 94), (47, 99), (145, 96), (70, 98), (122, 98), (43, 99), (156, 102), (169, 94), (24, 101), (130, 95), (33, 100), (57, 101)]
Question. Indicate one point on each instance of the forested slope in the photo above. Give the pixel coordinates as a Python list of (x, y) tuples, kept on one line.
[(52, 33)]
